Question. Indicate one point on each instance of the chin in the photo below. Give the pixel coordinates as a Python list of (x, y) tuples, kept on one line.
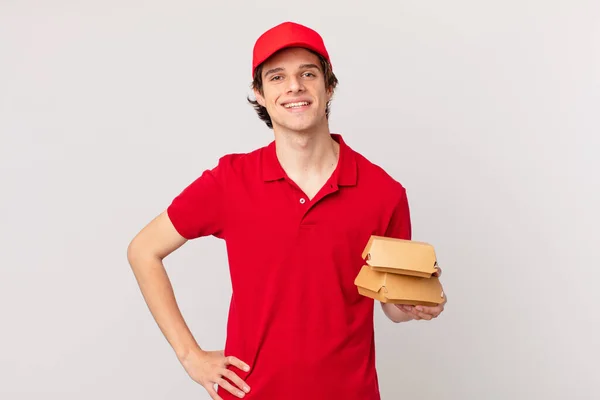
[(299, 127), (300, 124)]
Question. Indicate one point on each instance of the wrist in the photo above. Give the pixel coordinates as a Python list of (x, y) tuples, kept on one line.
[(188, 353)]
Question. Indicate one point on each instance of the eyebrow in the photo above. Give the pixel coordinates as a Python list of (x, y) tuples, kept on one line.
[(279, 69), (303, 66), (272, 71)]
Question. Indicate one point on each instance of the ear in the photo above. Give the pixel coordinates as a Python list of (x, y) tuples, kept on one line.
[(259, 98), (329, 93)]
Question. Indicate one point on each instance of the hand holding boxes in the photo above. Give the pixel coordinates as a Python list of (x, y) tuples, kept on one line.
[(399, 271)]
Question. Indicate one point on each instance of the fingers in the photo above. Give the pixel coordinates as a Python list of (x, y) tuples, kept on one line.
[(224, 383), (236, 362), (438, 271), (418, 313), (235, 379), (213, 373), (421, 312), (424, 315), (431, 312), (408, 309)]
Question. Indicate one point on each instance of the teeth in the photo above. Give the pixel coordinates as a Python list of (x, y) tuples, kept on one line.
[(299, 104)]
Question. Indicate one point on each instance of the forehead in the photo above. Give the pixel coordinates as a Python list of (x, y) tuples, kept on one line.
[(291, 58)]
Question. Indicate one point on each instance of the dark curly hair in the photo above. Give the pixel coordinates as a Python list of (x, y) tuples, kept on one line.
[(331, 83)]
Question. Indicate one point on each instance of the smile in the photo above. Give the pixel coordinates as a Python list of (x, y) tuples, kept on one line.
[(297, 104)]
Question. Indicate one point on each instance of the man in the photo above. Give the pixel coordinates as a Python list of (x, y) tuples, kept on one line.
[(296, 215)]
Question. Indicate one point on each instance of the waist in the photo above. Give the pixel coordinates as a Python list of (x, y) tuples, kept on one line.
[(310, 381), (294, 368)]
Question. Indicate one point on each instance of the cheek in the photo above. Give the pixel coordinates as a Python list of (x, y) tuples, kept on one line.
[(270, 99)]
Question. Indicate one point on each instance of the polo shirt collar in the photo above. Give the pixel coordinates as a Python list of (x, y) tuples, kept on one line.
[(345, 172)]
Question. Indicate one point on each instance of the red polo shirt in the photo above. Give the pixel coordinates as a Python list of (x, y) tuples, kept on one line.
[(295, 314)]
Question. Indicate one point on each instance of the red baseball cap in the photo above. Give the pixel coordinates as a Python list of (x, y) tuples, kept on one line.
[(287, 34)]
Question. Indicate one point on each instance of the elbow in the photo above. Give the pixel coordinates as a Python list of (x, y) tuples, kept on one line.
[(134, 253), (140, 254)]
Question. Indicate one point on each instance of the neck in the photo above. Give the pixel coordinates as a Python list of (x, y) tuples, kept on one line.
[(302, 154)]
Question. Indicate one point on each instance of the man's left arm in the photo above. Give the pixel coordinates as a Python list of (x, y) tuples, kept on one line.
[(400, 227)]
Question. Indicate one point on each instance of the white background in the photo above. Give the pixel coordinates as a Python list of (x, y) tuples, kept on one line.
[(487, 111)]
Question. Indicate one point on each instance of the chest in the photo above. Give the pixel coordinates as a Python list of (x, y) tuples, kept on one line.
[(273, 221), (282, 245)]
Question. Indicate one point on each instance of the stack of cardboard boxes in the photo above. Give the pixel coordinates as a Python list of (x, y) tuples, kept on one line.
[(399, 271)]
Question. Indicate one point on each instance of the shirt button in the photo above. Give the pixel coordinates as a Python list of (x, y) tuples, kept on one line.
[(302, 200)]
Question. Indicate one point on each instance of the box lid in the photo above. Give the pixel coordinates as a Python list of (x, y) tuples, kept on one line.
[(400, 256), (401, 289)]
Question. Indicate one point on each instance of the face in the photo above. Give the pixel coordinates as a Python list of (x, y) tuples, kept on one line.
[(294, 91)]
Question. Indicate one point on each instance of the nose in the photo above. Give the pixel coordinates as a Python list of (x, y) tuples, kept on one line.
[(295, 84)]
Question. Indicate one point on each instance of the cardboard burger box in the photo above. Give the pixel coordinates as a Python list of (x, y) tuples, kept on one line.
[(399, 271)]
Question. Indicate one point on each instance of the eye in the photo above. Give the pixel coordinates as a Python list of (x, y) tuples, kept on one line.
[(275, 78), (309, 74)]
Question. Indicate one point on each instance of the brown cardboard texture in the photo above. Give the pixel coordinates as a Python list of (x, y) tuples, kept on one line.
[(398, 256), (399, 271), (399, 289)]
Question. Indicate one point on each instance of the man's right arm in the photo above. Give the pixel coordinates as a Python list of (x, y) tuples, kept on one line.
[(198, 211), (145, 254)]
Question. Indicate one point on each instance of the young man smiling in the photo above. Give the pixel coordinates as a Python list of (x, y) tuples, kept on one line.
[(296, 215)]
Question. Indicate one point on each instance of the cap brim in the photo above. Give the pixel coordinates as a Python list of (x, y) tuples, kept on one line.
[(274, 50)]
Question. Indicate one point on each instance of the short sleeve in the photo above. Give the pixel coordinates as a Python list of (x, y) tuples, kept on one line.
[(199, 209), (400, 224)]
